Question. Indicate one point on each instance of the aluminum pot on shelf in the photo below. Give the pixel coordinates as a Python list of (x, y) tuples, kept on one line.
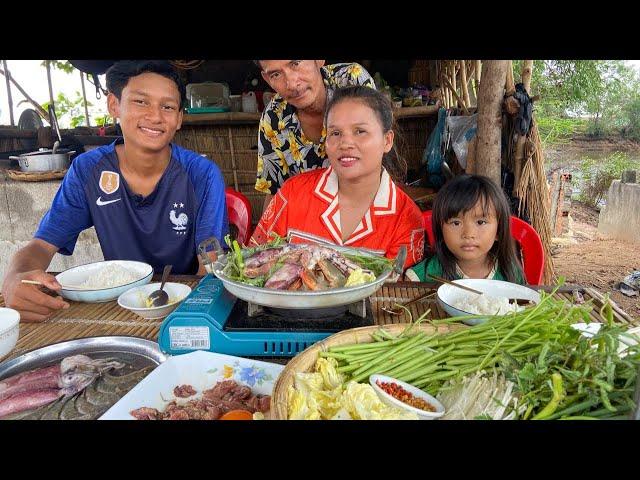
[(44, 160)]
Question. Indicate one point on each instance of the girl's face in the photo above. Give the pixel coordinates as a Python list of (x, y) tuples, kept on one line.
[(470, 236), (356, 141)]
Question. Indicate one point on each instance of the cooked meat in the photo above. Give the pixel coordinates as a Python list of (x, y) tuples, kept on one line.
[(216, 401), (145, 413), (184, 391)]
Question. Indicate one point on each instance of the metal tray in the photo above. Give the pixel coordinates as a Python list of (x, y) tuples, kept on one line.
[(139, 350), (302, 300)]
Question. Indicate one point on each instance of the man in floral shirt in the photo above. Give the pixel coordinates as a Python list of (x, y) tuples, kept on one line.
[(291, 136)]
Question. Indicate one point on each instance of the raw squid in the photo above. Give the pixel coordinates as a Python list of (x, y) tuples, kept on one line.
[(41, 386)]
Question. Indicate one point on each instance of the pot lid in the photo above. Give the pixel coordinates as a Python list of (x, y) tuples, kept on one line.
[(46, 151)]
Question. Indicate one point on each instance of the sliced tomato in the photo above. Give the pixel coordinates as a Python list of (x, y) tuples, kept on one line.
[(237, 415)]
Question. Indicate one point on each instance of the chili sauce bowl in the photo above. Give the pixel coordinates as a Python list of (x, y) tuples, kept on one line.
[(416, 392)]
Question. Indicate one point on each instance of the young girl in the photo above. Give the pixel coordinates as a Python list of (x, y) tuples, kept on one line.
[(472, 230), (355, 202)]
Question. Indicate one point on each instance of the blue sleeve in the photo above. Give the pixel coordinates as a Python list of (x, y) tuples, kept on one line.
[(69, 214), (211, 220)]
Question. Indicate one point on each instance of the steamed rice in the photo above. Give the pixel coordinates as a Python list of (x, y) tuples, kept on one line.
[(486, 305), (109, 276)]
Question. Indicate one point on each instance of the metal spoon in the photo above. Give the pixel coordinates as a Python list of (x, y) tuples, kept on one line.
[(159, 297)]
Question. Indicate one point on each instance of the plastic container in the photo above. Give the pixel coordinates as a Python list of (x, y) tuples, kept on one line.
[(208, 94)]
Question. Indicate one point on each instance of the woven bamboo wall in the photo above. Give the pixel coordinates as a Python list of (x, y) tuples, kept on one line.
[(235, 149)]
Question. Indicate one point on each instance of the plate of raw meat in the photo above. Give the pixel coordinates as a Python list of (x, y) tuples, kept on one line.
[(199, 385)]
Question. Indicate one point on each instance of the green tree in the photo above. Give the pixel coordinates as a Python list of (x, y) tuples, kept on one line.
[(70, 112)]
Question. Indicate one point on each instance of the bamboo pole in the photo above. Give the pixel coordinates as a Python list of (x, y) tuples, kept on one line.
[(84, 98), (9, 98), (454, 84), (488, 158), (464, 86), (48, 64), (458, 99), (43, 113), (527, 67)]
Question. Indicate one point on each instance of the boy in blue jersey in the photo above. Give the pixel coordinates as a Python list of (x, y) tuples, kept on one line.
[(149, 200)]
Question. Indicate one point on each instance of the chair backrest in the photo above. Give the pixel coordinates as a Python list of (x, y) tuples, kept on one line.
[(239, 213), (527, 238)]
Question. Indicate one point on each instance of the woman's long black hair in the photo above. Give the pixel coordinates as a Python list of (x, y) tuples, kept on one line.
[(460, 195), (392, 161)]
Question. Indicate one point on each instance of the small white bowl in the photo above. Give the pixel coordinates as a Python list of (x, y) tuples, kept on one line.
[(134, 299), (9, 330), (81, 273), (416, 392), (448, 295)]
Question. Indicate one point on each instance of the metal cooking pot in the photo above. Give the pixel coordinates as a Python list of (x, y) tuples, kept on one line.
[(44, 160)]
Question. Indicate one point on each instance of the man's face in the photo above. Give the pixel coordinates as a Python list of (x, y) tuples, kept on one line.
[(299, 82), (149, 111)]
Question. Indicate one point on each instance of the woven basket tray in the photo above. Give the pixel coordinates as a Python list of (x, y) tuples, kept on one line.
[(305, 361), (35, 176)]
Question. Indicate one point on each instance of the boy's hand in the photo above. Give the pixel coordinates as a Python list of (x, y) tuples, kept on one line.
[(33, 304)]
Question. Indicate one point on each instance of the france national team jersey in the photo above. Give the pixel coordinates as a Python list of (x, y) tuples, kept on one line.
[(186, 207)]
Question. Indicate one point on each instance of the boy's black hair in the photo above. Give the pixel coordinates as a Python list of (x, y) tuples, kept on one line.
[(460, 195), (120, 72), (395, 165)]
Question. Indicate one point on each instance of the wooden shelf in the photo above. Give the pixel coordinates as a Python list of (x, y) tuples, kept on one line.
[(242, 117)]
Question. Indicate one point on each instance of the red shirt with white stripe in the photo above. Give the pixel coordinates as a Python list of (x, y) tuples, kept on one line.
[(307, 207)]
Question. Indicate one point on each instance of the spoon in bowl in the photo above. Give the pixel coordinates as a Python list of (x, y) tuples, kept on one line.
[(159, 298)]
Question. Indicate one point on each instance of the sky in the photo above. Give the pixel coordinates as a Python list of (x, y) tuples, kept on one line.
[(32, 77)]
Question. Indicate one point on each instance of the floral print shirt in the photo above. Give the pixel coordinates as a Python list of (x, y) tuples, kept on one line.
[(283, 150)]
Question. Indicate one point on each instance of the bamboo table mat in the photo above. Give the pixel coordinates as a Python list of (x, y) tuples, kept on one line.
[(100, 319), (83, 320)]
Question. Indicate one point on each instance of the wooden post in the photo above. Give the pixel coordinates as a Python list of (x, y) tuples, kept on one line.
[(10, 100), (48, 64), (509, 85), (490, 96), (84, 98), (518, 160)]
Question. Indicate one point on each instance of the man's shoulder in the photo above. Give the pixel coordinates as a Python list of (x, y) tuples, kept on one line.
[(345, 74)]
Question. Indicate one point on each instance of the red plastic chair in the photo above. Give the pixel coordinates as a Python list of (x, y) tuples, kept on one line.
[(239, 213), (523, 233)]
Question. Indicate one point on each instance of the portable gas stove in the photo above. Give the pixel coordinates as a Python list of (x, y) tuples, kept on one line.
[(211, 318)]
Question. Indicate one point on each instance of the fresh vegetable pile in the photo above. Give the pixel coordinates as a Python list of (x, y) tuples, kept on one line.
[(283, 266), (556, 371)]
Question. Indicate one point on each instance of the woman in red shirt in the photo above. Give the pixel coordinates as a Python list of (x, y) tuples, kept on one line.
[(355, 202)]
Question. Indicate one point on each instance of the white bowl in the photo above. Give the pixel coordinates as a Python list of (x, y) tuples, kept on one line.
[(416, 392), (134, 299), (81, 273), (9, 330), (448, 295)]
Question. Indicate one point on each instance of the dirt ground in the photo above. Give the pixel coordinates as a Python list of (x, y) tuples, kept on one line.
[(590, 260)]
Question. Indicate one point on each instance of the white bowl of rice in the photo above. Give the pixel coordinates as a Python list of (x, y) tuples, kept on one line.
[(493, 301), (103, 281)]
